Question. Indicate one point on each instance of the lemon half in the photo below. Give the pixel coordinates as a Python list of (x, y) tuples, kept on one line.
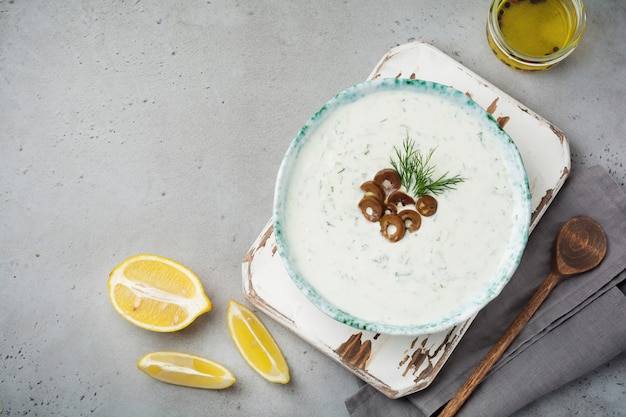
[(157, 293)]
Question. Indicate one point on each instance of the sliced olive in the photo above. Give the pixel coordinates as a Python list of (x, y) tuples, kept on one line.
[(372, 208), (371, 187), (398, 198), (392, 227), (412, 219), (426, 205), (389, 179), (391, 209)]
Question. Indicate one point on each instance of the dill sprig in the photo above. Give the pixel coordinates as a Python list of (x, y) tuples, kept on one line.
[(416, 171), (442, 184)]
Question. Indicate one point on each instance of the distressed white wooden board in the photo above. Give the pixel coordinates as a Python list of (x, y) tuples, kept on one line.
[(400, 365)]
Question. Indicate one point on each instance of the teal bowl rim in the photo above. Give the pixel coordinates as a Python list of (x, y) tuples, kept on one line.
[(516, 245)]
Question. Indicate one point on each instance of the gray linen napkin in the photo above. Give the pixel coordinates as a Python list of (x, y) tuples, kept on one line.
[(581, 325)]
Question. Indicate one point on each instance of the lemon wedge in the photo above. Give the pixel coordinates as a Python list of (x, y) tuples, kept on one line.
[(156, 293), (187, 370), (256, 344)]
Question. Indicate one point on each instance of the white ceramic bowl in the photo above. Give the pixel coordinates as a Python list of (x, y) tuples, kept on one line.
[(432, 279)]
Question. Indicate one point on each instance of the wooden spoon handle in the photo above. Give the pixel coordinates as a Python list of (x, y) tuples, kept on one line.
[(501, 345)]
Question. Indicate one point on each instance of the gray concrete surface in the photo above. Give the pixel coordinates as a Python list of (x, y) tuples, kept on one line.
[(158, 126)]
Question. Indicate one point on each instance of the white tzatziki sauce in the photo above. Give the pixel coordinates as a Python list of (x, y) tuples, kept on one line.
[(426, 274)]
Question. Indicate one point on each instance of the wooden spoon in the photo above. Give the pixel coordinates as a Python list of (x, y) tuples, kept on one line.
[(580, 246)]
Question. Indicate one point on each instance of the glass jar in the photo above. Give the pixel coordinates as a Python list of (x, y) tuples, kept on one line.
[(534, 35)]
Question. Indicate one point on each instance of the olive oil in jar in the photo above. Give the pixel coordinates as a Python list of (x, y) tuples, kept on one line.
[(531, 34)]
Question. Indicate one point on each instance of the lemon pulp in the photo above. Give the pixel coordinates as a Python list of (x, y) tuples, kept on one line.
[(255, 344), (187, 370), (157, 293)]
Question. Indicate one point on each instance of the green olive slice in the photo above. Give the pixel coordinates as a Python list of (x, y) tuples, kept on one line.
[(399, 198), (389, 179), (372, 208), (392, 227), (412, 220), (373, 188), (426, 205)]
